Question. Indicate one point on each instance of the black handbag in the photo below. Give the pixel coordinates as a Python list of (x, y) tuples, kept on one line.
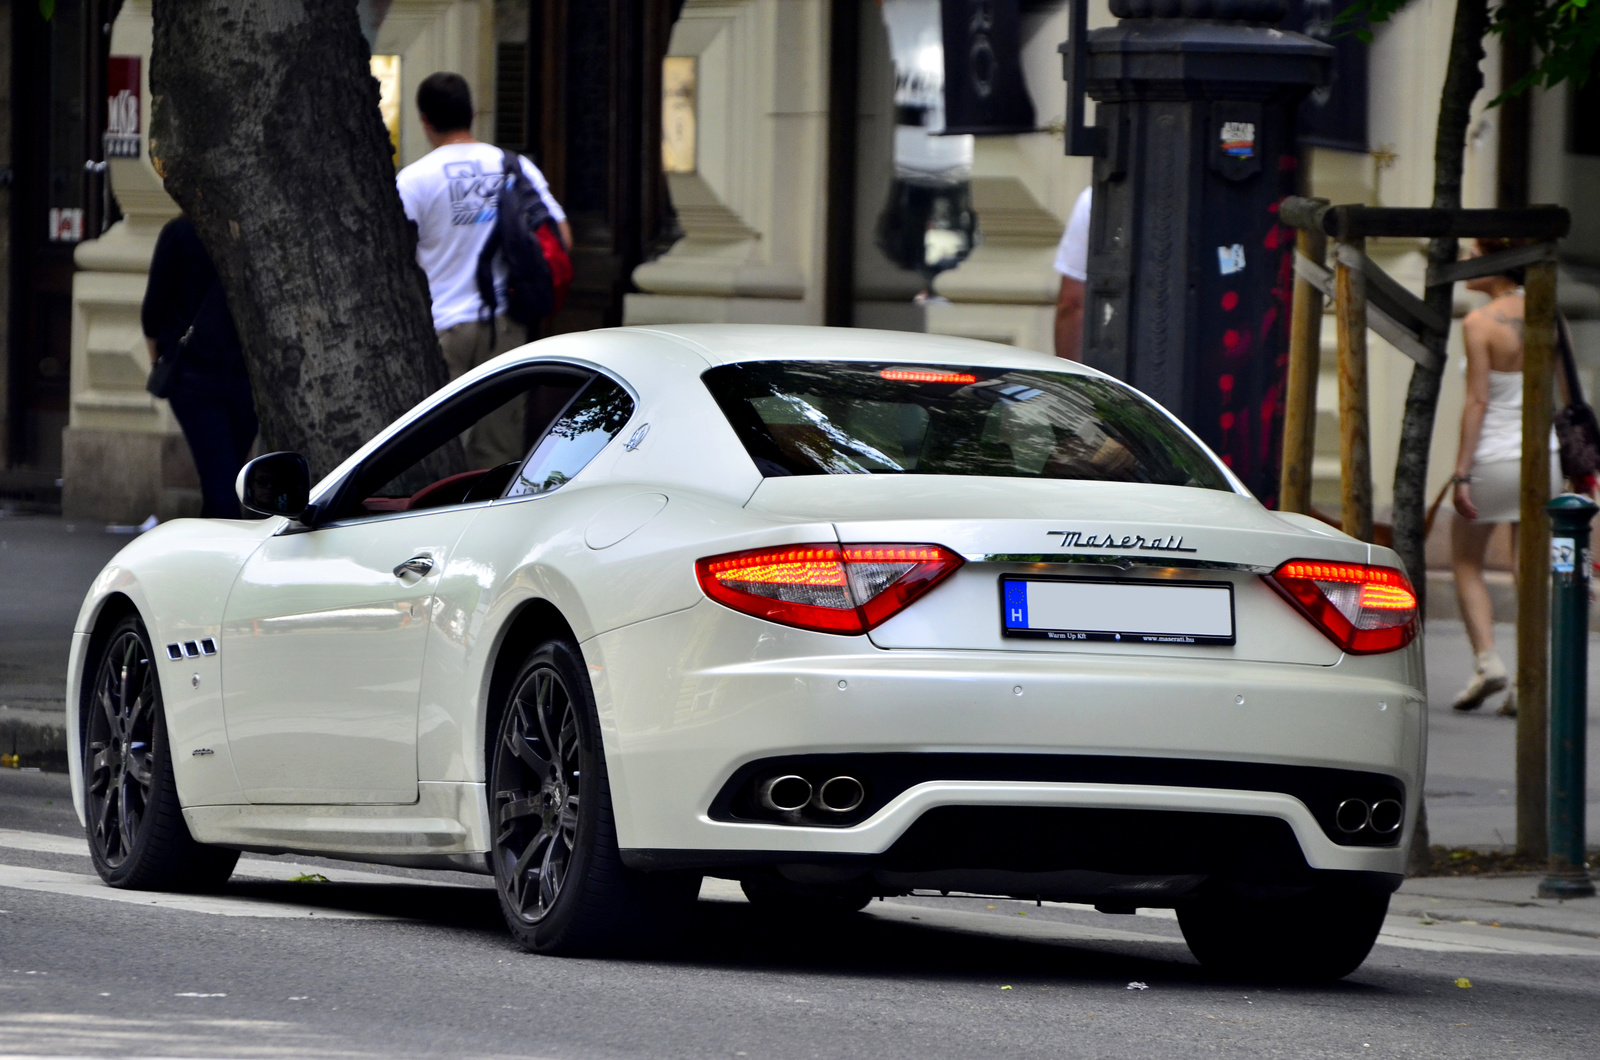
[(165, 371), (1577, 431)]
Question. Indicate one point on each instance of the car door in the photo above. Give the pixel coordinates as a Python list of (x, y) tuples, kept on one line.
[(322, 648), (325, 630)]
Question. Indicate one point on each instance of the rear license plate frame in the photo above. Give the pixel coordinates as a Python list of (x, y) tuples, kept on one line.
[(1110, 635)]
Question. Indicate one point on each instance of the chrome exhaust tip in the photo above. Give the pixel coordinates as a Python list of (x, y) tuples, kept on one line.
[(1386, 817), (1352, 816), (785, 794), (841, 794)]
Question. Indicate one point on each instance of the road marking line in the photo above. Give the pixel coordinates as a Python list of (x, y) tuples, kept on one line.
[(250, 868), (43, 842), (76, 885)]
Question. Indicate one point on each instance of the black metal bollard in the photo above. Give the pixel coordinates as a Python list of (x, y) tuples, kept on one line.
[(1571, 563), (1189, 268)]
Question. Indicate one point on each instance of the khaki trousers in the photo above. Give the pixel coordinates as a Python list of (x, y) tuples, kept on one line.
[(498, 437)]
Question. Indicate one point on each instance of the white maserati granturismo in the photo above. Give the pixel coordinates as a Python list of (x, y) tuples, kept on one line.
[(834, 613)]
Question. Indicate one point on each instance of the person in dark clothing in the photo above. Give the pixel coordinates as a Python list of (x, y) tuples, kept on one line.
[(210, 392)]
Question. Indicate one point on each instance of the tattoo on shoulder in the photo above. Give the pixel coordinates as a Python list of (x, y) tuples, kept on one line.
[(1514, 323)]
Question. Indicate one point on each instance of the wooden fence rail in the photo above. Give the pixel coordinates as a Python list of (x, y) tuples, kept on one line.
[(1366, 297)]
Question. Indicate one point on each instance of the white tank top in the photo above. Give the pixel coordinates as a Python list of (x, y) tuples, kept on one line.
[(1501, 437)]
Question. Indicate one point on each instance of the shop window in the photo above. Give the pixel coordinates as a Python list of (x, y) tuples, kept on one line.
[(927, 225), (386, 71), (678, 131)]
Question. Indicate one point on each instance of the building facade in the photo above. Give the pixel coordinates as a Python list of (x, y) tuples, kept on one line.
[(721, 160), (759, 200)]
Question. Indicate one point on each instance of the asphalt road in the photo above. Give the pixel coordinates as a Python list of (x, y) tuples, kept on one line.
[(388, 963)]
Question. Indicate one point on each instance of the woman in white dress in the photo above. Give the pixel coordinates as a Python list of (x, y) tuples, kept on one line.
[(1488, 469)]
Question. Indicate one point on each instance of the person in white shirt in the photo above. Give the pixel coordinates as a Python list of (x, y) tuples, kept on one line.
[(452, 194), (1072, 262)]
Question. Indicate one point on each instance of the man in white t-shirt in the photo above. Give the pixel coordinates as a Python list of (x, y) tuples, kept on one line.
[(1072, 262), (453, 194)]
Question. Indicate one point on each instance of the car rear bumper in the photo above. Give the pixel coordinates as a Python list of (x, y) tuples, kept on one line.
[(688, 700)]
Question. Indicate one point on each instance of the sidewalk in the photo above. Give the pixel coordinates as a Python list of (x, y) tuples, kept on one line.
[(1494, 901), (1472, 766), (49, 563)]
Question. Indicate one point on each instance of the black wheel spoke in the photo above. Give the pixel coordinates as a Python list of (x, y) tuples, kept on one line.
[(520, 877), (129, 651), (139, 770), (567, 823), (544, 699), (108, 707), (99, 771), (567, 747), (128, 818), (106, 821), (550, 875), (135, 717), (519, 805), (518, 744)]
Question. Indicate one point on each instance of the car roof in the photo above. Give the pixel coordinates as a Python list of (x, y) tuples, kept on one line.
[(732, 343)]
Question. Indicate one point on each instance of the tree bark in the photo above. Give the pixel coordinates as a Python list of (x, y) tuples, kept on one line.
[(266, 129), (1462, 82)]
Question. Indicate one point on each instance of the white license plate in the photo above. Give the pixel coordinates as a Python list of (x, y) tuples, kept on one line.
[(1139, 612)]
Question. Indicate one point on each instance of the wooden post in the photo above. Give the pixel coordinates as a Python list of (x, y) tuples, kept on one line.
[(1533, 563), (1300, 400), (1355, 448)]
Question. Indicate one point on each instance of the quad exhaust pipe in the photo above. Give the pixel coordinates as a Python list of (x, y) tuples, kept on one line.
[(841, 795), (791, 794), (785, 794), (1357, 815), (1386, 816)]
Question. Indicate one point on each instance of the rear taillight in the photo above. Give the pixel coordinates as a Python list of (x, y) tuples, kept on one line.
[(829, 588), (1362, 609)]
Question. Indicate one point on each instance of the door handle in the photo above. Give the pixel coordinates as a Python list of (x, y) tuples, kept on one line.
[(418, 565)]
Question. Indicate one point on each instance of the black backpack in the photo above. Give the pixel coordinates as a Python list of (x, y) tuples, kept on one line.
[(538, 270)]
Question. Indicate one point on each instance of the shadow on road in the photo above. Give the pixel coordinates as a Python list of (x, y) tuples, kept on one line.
[(732, 936), (471, 908)]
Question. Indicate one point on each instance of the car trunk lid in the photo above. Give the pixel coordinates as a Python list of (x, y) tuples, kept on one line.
[(1118, 534)]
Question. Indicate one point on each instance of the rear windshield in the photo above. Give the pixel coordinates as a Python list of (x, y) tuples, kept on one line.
[(848, 418)]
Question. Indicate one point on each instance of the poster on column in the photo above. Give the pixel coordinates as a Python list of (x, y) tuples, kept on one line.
[(122, 106)]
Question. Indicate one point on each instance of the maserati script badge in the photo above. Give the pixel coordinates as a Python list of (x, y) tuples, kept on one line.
[(1078, 539)]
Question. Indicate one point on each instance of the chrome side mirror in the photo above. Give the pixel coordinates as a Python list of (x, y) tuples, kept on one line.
[(275, 484)]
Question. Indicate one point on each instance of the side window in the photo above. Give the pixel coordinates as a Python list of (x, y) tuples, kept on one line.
[(464, 451), (576, 438)]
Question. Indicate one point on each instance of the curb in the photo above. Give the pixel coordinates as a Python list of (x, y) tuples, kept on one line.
[(34, 739), (1510, 920)]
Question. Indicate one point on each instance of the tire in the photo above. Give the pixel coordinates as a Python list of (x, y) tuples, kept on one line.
[(771, 893), (137, 836), (1315, 937), (562, 885)]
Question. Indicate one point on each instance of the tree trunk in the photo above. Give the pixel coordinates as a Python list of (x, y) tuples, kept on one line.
[(1462, 81), (266, 129)]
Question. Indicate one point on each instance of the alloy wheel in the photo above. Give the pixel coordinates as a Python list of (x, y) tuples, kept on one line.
[(120, 744), (537, 784)]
